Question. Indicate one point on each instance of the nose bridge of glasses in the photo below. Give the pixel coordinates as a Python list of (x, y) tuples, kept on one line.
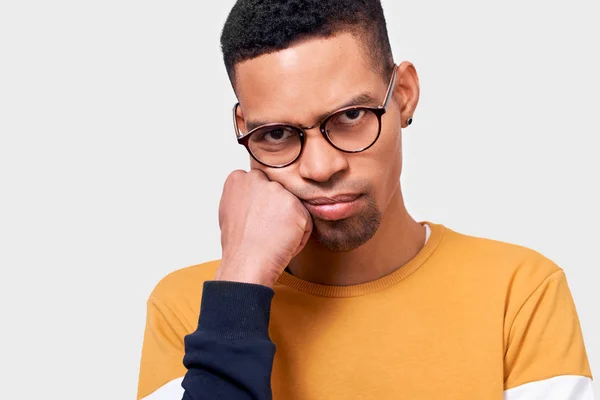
[(318, 141), (318, 154), (308, 128)]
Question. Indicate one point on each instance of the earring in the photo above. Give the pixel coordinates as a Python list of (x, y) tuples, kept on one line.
[(409, 121)]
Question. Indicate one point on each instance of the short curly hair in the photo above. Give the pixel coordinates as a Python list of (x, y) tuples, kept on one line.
[(257, 27)]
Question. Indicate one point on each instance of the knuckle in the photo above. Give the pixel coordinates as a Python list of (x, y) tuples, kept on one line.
[(291, 203), (238, 173), (234, 176), (275, 189), (257, 174)]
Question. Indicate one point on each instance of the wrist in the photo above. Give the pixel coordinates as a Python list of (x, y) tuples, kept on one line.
[(239, 272)]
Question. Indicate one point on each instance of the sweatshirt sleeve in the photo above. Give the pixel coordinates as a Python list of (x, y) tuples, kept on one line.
[(545, 351), (230, 355), (161, 368)]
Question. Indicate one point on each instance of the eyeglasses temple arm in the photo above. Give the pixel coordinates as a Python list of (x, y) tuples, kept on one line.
[(390, 90)]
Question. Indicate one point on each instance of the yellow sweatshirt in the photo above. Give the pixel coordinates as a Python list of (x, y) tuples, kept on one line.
[(467, 318)]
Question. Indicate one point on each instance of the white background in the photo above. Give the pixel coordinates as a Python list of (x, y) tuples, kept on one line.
[(116, 138)]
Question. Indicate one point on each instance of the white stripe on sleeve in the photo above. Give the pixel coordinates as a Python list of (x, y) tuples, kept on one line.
[(170, 391), (565, 387)]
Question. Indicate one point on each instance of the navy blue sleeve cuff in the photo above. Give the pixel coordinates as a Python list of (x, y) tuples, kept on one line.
[(235, 310)]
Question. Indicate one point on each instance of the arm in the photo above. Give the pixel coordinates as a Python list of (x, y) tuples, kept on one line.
[(545, 354), (161, 369), (230, 355)]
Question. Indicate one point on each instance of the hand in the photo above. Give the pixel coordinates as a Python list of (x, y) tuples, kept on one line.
[(263, 226)]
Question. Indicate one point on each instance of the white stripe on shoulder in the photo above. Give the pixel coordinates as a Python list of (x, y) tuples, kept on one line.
[(564, 387), (170, 391)]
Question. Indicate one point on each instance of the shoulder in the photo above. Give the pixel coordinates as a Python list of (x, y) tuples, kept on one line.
[(181, 290), (185, 279), (498, 258), (495, 269), (503, 279)]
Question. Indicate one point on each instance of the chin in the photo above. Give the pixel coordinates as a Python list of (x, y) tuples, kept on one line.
[(349, 233)]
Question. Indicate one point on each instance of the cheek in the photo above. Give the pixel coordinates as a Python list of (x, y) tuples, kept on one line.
[(395, 158), (279, 175), (388, 159), (256, 165)]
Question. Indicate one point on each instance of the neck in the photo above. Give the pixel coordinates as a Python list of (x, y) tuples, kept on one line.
[(398, 239)]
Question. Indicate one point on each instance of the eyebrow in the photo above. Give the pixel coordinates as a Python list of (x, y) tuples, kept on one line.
[(363, 99)]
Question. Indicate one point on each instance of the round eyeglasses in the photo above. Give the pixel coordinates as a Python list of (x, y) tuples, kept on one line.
[(351, 129)]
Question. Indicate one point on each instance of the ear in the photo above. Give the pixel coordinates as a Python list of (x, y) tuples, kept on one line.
[(238, 119), (407, 91)]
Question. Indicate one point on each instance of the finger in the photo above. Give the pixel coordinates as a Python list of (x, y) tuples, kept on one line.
[(308, 227), (230, 182), (259, 174)]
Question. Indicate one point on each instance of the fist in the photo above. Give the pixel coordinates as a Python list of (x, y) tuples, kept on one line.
[(263, 226)]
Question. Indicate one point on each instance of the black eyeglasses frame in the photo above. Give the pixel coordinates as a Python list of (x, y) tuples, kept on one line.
[(244, 138)]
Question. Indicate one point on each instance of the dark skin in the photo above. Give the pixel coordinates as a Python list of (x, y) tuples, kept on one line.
[(271, 227)]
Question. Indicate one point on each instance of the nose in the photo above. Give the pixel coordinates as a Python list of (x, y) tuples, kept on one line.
[(320, 160)]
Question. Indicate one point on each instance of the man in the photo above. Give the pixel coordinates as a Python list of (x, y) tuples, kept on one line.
[(327, 287)]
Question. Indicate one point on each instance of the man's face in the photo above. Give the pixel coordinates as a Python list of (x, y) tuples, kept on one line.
[(298, 86)]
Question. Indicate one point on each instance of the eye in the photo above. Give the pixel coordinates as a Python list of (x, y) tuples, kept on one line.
[(350, 116), (277, 135)]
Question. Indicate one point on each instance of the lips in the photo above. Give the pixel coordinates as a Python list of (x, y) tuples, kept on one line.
[(333, 208)]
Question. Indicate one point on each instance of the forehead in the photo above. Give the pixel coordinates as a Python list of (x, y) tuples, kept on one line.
[(302, 81)]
